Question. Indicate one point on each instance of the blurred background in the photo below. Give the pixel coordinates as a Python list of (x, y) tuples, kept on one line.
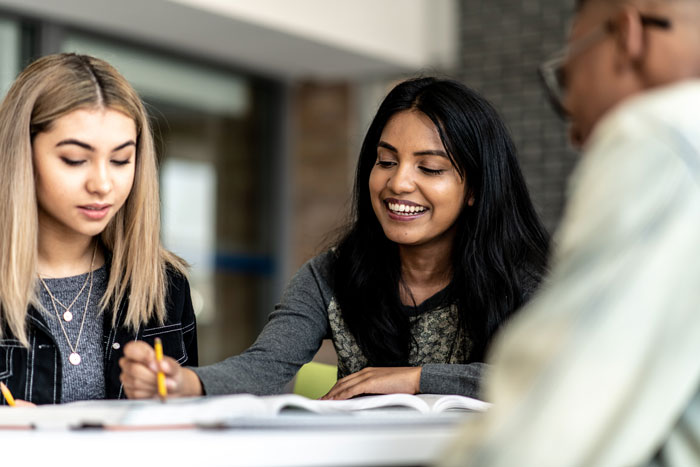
[(260, 106)]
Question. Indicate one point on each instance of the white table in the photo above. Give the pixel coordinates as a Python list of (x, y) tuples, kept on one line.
[(321, 443)]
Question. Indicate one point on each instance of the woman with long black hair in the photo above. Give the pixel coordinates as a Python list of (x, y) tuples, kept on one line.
[(443, 246)]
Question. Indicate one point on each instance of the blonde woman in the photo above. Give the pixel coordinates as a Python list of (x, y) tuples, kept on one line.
[(82, 268)]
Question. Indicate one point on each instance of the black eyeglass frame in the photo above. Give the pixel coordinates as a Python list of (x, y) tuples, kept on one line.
[(551, 71)]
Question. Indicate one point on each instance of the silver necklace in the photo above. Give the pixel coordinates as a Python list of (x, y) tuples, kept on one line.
[(74, 358), (68, 315)]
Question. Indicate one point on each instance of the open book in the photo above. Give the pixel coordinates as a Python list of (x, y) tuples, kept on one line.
[(220, 410)]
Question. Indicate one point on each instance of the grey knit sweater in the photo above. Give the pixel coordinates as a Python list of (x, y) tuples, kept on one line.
[(308, 313), (84, 381)]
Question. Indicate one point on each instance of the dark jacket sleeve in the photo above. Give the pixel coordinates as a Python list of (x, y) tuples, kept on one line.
[(178, 333), (180, 306)]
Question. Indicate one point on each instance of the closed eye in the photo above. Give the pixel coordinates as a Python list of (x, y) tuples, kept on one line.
[(385, 164), (73, 162), (122, 162), (432, 171)]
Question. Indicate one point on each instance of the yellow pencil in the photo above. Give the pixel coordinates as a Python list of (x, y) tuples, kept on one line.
[(8, 395), (162, 390)]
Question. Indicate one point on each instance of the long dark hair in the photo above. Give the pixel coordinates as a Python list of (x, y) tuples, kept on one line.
[(500, 248)]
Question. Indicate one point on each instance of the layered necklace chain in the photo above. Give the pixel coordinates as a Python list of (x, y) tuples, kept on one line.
[(74, 357), (67, 314)]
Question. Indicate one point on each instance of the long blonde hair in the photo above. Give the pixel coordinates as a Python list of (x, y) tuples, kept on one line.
[(49, 88)]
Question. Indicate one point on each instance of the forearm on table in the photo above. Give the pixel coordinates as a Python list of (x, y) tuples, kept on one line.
[(443, 378)]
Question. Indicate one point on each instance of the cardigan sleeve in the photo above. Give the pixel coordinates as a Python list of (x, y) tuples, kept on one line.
[(291, 337), (450, 378)]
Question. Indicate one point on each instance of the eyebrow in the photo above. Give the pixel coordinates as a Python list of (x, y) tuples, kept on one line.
[(427, 152), (75, 142)]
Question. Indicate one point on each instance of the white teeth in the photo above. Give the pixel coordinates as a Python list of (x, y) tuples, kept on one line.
[(404, 209)]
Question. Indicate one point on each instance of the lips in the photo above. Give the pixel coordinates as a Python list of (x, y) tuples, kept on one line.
[(95, 211)]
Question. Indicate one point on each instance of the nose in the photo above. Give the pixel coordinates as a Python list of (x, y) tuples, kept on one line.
[(401, 181), (99, 180)]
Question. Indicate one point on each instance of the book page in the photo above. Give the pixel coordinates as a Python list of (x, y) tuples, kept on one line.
[(423, 403), (406, 401), (439, 403), (195, 411), (280, 403)]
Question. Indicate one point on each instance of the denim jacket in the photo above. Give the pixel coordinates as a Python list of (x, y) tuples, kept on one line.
[(35, 373)]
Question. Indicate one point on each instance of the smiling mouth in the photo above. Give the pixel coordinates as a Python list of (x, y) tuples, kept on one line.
[(403, 209)]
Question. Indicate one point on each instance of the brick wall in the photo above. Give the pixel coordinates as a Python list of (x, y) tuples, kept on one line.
[(322, 121), (502, 42), (322, 125)]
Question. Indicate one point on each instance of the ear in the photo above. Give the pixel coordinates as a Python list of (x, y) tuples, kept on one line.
[(470, 201), (629, 34)]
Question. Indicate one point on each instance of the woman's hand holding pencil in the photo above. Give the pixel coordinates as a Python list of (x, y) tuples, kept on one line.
[(146, 374), (7, 395), (11, 401)]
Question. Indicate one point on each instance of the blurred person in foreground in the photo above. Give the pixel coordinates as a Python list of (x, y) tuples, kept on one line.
[(602, 368)]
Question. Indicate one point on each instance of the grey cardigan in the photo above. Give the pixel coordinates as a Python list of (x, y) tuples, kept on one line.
[(307, 314)]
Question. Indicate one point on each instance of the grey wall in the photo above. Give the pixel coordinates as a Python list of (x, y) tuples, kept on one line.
[(502, 43)]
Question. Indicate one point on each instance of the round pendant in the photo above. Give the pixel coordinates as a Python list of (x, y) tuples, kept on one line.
[(74, 359), (68, 316)]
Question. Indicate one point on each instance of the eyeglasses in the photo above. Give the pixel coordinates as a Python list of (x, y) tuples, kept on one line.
[(553, 71)]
